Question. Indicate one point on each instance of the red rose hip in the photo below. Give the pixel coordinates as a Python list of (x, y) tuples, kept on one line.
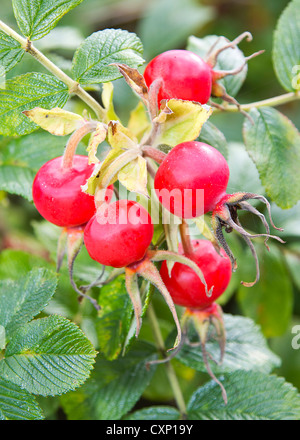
[(184, 76), (119, 234), (191, 179), (57, 192), (185, 286)]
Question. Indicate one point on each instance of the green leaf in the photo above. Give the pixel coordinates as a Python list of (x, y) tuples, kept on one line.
[(16, 180), (91, 62), (113, 388), (270, 301), (246, 349), (23, 299), (166, 24), (37, 18), (286, 47), (211, 135), (33, 150), (251, 396), (20, 159), (11, 53), (229, 59), (115, 317), (25, 92), (15, 264), (48, 356), (17, 404), (243, 172), (155, 413), (273, 143)]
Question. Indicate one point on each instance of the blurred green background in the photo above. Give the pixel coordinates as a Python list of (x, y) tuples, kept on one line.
[(166, 24)]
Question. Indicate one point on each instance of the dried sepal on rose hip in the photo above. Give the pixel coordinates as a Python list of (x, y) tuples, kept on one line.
[(183, 74), (185, 286), (202, 320), (192, 181), (201, 311)]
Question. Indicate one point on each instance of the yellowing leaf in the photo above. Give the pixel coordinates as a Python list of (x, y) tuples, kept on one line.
[(107, 99), (93, 182), (204, 228), (134, 176), (182, 122), (106, 172), (57, 121), (121, 137), (97, 137), (139, 122)]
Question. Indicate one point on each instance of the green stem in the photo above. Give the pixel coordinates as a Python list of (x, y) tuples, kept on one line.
[(73, 86), (272, 102), (169, 368)]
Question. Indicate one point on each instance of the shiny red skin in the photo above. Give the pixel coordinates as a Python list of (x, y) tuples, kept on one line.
[(57, 192), (123, 239), (185, 76), (191, 166), (185, 286)]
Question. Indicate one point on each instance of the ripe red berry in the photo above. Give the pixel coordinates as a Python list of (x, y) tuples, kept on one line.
[(184, 76), (185, 286), (57, 192), (119, 234), (189, 167)]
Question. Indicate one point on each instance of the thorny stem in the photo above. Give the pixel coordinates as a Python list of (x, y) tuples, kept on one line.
[(73, 86), (272, 102), (169, 368)]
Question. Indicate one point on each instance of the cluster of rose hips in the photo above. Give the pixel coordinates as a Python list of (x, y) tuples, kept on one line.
[(120, 233), (124, 240)]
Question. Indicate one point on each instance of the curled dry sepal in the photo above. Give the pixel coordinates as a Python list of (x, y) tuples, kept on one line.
[(225, 216), (202, 320), (149, 271)]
